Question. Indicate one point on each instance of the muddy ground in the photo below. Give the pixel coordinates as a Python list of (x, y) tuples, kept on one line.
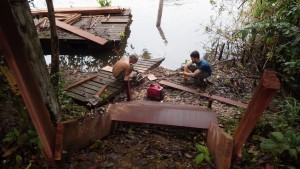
[(147, 146)]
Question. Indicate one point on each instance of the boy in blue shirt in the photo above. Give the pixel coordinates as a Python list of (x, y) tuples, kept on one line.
[(197, 68)]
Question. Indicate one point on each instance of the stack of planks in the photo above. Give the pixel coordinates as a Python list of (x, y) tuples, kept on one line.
[(68, 18)]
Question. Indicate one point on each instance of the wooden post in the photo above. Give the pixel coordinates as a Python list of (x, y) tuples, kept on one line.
[(220, 146), (23, 53), (262, 97), (159, 13), (127, 88), (210, 101)]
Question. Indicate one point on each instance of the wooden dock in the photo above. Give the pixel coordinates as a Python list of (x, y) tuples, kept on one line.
[(111, 25), (87, 88)]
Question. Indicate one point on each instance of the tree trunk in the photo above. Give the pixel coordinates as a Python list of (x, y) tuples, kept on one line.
[(54, 45)]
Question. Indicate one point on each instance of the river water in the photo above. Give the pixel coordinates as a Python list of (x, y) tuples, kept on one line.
[(182, 28)]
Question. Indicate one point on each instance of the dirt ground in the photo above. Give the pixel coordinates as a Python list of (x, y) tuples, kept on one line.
[(147, 146)]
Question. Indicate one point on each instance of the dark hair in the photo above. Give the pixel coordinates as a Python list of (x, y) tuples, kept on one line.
[(195, 54)]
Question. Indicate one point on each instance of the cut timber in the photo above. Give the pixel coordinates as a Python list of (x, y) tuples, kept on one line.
[(72, 136), (218, 98), (107, 68), (161, 114), (81, 33), (220, 145), (263, 95), (83, 10), (151, 77)]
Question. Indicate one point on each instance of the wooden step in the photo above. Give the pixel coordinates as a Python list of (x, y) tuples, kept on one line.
[(163, 114)]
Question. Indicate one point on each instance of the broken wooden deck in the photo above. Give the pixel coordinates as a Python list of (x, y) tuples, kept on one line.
[(87, 88), (111, 25)]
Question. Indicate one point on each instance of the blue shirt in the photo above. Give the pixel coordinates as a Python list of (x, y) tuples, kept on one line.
[(204, 66)]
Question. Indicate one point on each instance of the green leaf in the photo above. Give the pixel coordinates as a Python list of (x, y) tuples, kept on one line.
[(277, 136), (297, 141), (268, 145), (207, 158), (200, 148), (244, 34), (253, 32), (199, 158), (19, 158), (205, 150), (293, 153)]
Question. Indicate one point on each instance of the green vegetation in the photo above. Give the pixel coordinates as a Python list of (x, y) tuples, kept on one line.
[(203, 154), (104, 2), (275, 27)]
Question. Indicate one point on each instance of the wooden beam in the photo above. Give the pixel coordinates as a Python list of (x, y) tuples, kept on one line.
[(82, 81), (81, 32), (82, 10), (20, 46), (74, 135), (218, 98), (261, 99), (220, 145)]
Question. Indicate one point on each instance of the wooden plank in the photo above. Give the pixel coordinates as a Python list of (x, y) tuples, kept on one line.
[(220, 145), (263, 95), (72, 19), (114, 20), (82, 81), (59, 141), (107, 68), (111, 82), (165, 105), (76, 96), (80, 92), (81, 10), (218, 98), (85, 90), (81, 33), (151, 77), (80, 135), (162, 115)]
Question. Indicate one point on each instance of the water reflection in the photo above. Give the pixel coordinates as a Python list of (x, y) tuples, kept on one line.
[(161, 32), (182, 30)]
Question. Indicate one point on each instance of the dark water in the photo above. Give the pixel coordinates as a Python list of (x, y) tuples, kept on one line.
[(182, 30)]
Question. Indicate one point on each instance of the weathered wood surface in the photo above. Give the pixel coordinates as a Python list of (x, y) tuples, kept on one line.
[(82, 10), (160, 114), (218, 98), (72, 136), (24, 54), (263, 95), (220, 145), (86, 88), (79, 32), (109, 26)]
